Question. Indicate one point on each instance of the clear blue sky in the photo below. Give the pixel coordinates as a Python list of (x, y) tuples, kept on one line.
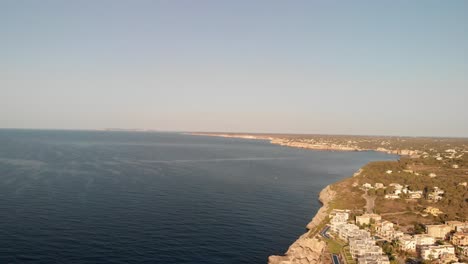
[(342, 67)]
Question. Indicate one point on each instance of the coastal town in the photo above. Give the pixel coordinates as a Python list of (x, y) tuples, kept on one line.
[(368, 239), (411, 210)]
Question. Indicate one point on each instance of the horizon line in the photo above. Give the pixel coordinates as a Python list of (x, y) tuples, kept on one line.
[(148, 130)]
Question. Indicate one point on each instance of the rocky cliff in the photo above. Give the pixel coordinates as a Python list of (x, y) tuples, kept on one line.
[(308, 248)]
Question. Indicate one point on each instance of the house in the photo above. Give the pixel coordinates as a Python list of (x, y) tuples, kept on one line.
[(361, 247), (407, 243), (391, 196), (367, 186), (366, 251), (398, 188), (347, 231), (415, 194), (453, 224), (386, 230), (411, 243), (388, 172), (424, 240), (436, 194), (379, 185), (438, 231), (457, 226), (382, 228), (435, 252), (365, 219), (448, 258), (459, 239), (339, 218), (344, 230), (381, 259), (438, 191)]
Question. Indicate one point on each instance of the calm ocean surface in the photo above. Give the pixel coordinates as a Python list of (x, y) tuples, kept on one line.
[(122, 197)]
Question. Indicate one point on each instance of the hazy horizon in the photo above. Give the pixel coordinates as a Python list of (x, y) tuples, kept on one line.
[(351, 68)]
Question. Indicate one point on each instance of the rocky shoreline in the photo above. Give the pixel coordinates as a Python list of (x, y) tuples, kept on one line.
[(308, 248), (305, 145)]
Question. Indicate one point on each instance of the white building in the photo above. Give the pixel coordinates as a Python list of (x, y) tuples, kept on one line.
[(339, 218), (382, 259), (435, 252), (424, 240), (407, 243), (411, 243), (415, 194), (386, 230), (392, 196), (379, 185)]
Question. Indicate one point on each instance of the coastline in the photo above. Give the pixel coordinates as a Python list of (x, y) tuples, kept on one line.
[(309, 247), (325, 147)]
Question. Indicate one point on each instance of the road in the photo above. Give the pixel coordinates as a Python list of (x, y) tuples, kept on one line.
[(324, 232)]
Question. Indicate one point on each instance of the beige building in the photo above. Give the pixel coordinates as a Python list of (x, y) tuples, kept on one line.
[(438, 231), (453, 224), (459, 239), (457, 225), (448, 258), (365, 219)]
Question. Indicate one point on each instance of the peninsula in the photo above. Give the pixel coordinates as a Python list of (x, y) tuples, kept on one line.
[(413, 210)]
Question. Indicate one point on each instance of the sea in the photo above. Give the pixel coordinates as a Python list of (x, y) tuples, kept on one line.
[(149, 197)]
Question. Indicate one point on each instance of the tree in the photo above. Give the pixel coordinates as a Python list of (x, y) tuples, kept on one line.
[(419, 228)]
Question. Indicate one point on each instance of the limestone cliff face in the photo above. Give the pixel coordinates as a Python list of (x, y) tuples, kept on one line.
[(307, 249)]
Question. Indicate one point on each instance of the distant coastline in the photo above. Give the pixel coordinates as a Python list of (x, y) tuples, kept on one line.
[(424, 163), (308, 247), (278, 140)]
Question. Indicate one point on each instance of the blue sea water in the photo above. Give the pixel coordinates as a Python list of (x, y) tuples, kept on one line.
[(132, 197)]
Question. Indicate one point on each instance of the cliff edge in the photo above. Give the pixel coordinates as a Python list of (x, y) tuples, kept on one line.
[(308, 248)]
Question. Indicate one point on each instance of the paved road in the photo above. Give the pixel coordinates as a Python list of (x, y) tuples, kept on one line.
[(335, 259), (324, 232)]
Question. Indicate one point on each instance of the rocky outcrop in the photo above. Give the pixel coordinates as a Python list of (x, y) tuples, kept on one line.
[(325, 196), (308, 248), (304, 251)]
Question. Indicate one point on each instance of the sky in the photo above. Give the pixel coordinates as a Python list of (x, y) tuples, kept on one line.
[(320, 67)]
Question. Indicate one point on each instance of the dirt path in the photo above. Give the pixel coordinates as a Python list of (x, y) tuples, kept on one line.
[(396, 213), (370, 202)]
